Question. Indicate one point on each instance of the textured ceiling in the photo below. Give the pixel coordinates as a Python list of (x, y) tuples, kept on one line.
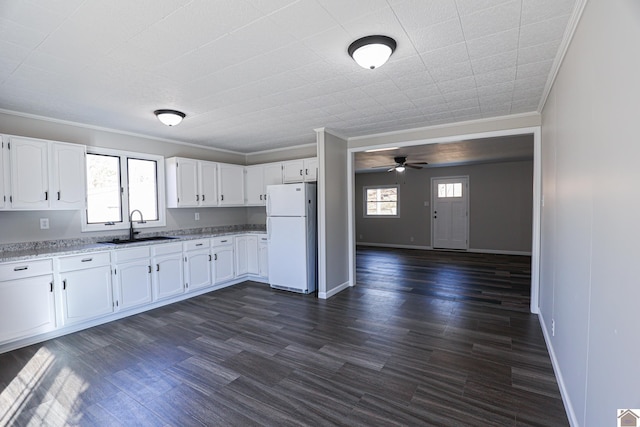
[(255, 75)]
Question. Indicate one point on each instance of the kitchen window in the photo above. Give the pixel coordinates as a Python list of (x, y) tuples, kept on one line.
[(120, 182), (381, 201)]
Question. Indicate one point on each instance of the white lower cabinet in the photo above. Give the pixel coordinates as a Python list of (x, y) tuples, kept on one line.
[(263, 257), (133, 277), (223, 259), (246, 254), (167, 277), (86, 286), (197, 262), (27, 303)]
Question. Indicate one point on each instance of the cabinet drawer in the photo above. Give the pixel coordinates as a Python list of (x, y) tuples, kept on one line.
[(124, 255), (29, 268), (222, 241), (193, 245), (169, 248), (79, 262), (262, 238)]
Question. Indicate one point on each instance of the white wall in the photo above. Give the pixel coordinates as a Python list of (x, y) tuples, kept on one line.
[(333, 238), (590, 173)]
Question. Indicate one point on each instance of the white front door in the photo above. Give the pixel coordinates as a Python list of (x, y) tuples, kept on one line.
[(450, 212)]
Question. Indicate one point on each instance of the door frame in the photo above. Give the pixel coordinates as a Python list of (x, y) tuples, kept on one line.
[(433, 203), (537, 195)]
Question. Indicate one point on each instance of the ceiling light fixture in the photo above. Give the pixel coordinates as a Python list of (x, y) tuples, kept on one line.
[(400, 168), (170, 117), (372, 51)]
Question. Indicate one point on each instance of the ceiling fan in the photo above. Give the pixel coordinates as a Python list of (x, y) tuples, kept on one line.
[(401, 164)]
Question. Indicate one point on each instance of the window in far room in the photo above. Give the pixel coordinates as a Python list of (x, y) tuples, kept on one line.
[(381, 201)]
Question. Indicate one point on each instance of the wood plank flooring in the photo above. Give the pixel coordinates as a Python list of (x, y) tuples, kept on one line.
[(386, 352)]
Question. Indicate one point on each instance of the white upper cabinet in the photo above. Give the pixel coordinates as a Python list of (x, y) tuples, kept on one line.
[(208, 183), (29, 173), (4, 173), (257, 178), (231, 184), (301, 170), (190, 183), (67, 176)]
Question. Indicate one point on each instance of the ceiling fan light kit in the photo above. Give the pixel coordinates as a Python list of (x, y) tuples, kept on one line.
[(372, 51), (170, 117)]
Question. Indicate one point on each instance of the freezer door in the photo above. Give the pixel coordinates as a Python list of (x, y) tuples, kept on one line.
[(286, 200), (288, 253)]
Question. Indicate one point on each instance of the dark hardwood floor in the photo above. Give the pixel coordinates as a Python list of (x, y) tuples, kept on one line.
[(443, 341)]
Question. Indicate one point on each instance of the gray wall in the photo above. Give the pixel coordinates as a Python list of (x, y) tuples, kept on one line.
[(589, 250), (500, 206), (333, 238)]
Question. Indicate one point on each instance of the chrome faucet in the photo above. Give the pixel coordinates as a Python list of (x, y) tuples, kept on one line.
[(142, 221)]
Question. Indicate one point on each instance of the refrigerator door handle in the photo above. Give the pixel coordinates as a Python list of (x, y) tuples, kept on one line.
[(268, 205), (268, 228)]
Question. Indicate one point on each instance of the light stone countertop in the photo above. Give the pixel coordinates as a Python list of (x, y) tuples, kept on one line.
[(37, 250)]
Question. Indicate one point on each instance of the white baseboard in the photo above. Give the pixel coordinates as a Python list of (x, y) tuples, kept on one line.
[(568, 407), (332, 292), (499, 252), (429, 248), (389, 245)]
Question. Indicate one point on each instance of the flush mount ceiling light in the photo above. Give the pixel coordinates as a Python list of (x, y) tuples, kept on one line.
[(372, 51), (170, 117)]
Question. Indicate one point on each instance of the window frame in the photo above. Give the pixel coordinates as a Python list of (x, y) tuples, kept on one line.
[(376, 187), (124, 192)]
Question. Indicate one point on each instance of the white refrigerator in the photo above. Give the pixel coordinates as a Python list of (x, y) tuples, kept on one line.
[(291, 233)]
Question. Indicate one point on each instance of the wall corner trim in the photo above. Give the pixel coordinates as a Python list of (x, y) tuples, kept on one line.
[(334, 291)]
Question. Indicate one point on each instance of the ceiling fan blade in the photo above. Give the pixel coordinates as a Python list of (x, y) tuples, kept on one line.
[(392, 169), (412, 166), (418, 163)]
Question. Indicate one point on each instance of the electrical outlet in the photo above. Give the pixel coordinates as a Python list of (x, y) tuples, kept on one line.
[(411, 238), (197, 216), (553, 327), (44, 223), (361, 237)]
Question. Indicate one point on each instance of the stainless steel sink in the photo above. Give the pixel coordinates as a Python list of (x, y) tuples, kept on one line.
[(141, 239)]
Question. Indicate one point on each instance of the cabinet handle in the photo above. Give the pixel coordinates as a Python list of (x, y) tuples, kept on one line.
[(306, 171), (46, 195), (50, 286), (64, 285), (149, 269), (265, 197), (215, 257), (203, 197), (199, 244), (86, 260), (20, 268), (261, 197), (157, 267), (221, 197), (300, 172), (224, 241), (58, 195), (209, 257), (197, 197)]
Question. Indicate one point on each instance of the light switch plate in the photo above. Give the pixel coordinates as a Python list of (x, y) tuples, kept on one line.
[(44, 223)]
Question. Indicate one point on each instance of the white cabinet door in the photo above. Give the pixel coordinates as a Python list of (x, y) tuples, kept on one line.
[(86, 294), (224, 260), (293, 171), (67, 176), (134, 283), (27, 307), (4, 173), (208, 180), (29, 173), (263, 258), (246, 255), (310, 169), (187, 182), (231, 183), (198, 269), (254, 184), (241, 255), (168, 279), (272, 175)]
